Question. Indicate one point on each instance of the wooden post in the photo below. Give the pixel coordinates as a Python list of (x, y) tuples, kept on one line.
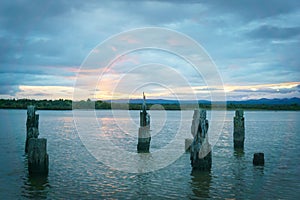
[(239, 129), (258, 159), (144, 136), (36, 149), (201, 157), (32, 125), (38, 159)]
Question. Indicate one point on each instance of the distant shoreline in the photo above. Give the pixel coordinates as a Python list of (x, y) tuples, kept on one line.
[(103, 105)]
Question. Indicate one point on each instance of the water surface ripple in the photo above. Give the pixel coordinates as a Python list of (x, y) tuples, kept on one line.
[(76, 174)]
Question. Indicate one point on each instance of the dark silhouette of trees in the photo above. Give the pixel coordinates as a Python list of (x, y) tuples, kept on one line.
[(63, 104)]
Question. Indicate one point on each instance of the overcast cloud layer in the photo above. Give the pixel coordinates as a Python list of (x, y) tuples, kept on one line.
[(255, 44)]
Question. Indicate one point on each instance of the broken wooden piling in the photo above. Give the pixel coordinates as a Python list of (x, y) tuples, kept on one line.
[(38, 160), (201, 157), (32, 125), (144, 136), (239, 129), (36, 148)]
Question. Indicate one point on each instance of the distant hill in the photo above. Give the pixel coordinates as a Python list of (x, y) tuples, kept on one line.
[(285, 101), (156, 101)]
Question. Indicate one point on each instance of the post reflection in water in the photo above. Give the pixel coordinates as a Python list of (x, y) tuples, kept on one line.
[(238, 170), (200, 183), (36, 186), (259, 183), (239, 152), (142, 181)]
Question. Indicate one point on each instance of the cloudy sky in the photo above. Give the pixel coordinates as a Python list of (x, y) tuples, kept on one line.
[(46, 47)]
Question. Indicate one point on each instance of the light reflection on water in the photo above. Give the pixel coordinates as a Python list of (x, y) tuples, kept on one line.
[(74, 173)]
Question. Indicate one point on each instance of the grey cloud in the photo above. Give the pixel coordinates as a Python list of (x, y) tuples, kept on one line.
[(8, 89), (162, 12), (246, 10), (38, 32), (35, 34), (25, 16), (270, 90), (40, 94), (208, 89), (252, 10), (272, 32), (34, 70), (10, 82)]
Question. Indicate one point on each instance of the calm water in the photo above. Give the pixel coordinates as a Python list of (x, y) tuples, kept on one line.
[(75, 173)]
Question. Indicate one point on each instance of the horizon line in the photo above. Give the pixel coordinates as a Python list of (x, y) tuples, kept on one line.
[(165, 99)]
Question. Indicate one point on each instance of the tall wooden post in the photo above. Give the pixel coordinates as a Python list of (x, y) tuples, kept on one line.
[(144, 136), (36, 148), (239, 129), (32, 125), (201, 157)]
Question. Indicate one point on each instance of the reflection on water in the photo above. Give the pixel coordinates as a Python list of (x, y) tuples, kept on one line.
[(238, 171), (142, 181), (239, 152), (258, 187), (200, 183), (36, 186), (258, 171)]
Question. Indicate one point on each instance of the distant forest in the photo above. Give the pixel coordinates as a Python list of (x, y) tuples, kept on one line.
[(62, 104)]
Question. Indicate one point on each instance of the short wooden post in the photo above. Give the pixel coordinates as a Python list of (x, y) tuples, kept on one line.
[(239, 129), (38, 160), (258, 159)]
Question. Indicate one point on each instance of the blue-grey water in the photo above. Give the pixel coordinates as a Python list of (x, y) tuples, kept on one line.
[(75, 174)]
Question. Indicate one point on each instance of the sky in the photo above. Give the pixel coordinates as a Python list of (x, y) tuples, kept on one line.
[(59, 49)]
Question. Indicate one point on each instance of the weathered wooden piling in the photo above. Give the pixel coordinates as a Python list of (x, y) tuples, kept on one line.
[(36, 149), (239, 129), (144, 136), (258, 159), (201, 157), (38, 160), (32, 125)]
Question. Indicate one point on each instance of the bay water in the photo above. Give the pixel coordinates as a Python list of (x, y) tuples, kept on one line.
[(76, 173)]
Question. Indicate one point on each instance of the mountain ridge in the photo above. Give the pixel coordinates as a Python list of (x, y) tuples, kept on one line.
[(274, 101)]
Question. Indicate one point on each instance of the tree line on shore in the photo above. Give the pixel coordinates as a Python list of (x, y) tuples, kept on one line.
[(63, 104)]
